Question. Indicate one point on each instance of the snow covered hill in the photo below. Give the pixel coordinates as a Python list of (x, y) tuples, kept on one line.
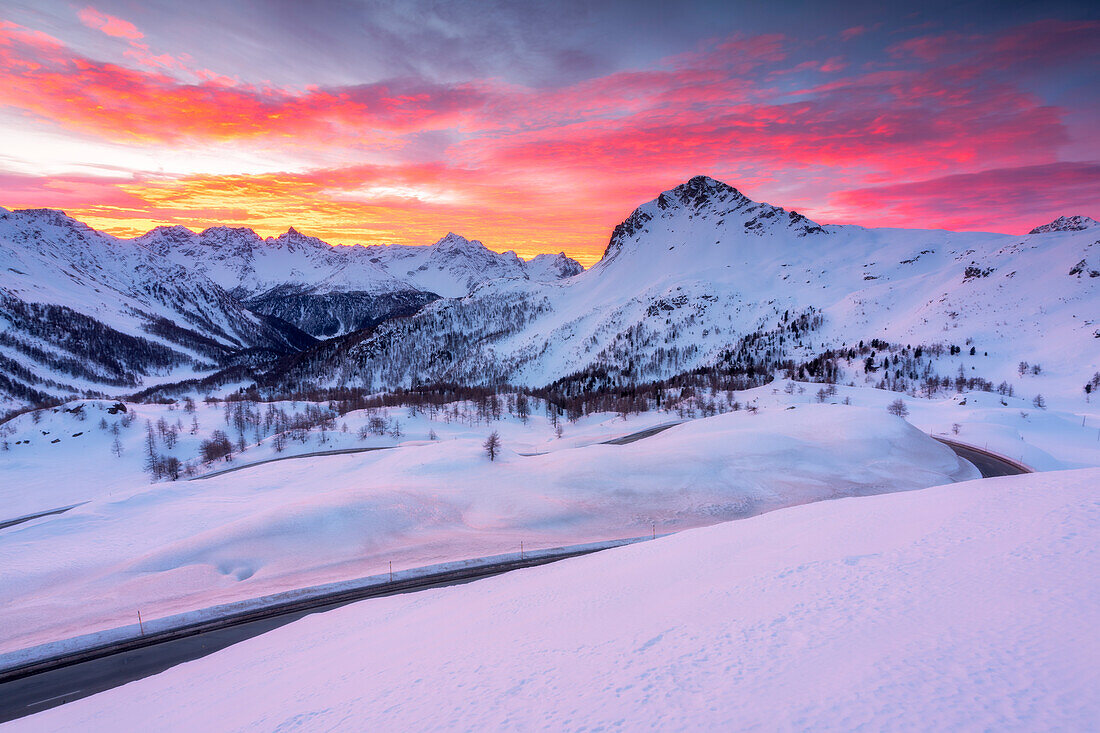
[(703, 275), (187, 545), (84, 312), (971, 606)]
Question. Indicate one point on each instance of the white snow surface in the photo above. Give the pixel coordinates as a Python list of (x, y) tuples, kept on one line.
[(971, 606), (38, 475), (179, 546)]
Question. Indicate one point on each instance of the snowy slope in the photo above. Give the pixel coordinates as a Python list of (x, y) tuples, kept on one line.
[(191, 544), (965, 607), (80, 310), (703, 274)]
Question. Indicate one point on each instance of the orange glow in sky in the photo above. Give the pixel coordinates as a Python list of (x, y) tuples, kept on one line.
[(917, 125)]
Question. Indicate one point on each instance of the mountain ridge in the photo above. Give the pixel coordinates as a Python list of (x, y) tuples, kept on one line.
[(699, 275)]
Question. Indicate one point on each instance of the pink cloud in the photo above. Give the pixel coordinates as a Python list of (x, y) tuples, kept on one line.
[(1009, 200), (558, 167), (109, 24), (125, 104), (855, 31)]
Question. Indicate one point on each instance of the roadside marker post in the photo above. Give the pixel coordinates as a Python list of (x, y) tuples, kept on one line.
[(391, 571), (141, 626)]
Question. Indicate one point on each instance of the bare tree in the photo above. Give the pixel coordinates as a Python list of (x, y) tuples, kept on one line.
[(492, 445), (170, 467), (897, 407), (218, 446)]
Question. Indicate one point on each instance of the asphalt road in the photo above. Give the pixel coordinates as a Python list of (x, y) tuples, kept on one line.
[(63, 681), (640, 434), (29, 517), (66, 682), (314, 454), (990, 464)]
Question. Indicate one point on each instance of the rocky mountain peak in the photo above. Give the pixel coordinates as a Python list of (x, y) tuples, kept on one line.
[(294, 240), (238, 239), (50, 217), (164, 239), (457, 242), (699, 192), (703, 197), (1066, 224), (549, 266)]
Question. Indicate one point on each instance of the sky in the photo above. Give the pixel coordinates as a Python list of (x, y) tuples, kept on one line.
[(538, 126)]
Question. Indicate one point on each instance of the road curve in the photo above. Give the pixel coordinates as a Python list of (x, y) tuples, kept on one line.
[(47, 513), (990, 464), (633, 437), (64, 679), (42, 685), (314, 454)]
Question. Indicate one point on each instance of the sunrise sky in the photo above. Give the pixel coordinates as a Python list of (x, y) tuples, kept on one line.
[(539, 126)]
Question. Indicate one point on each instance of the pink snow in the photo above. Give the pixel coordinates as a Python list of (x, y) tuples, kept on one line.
[(968, 606)]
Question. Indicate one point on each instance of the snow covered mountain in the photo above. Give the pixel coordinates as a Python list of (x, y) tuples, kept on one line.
[(301, 280), (1066, 224), (454, 266), (83, 312), (702, 275), (248, 266), (328, 291)]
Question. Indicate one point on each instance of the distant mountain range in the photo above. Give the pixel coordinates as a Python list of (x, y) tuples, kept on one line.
[(328, 291), (699, 276), (82, 312)]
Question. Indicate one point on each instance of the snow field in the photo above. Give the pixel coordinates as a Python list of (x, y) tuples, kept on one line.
[(37, 474), (964, 607), (1044, 439), (179, 546)]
